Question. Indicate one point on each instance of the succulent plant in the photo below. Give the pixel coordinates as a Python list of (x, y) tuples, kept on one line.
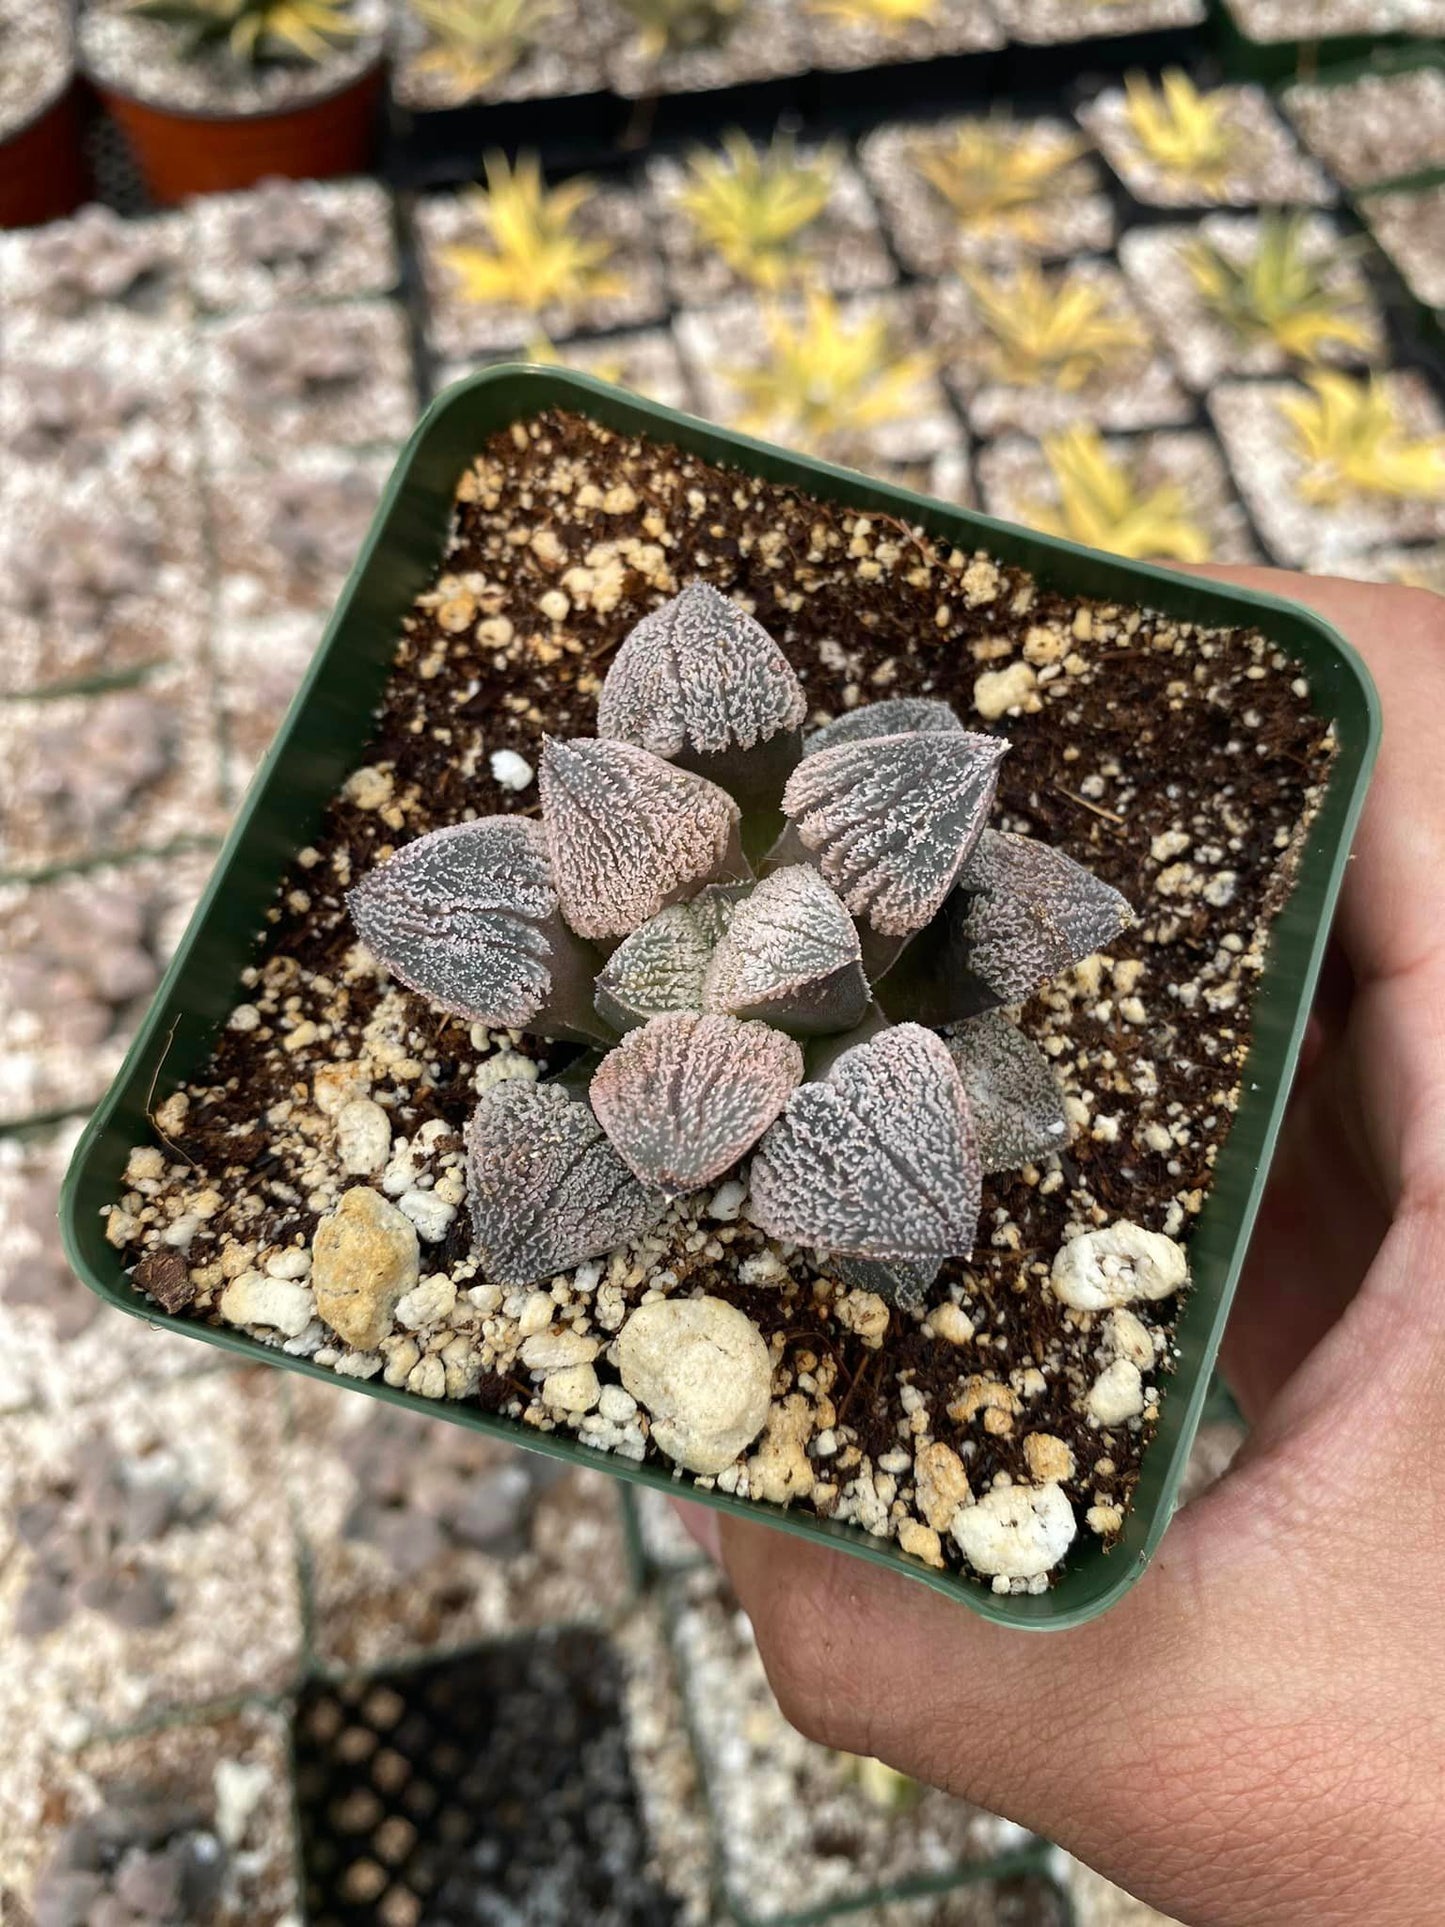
[(1101, 505), (472, 44), (886, 16), (1184, 132), (997, 177), (794, 950), (1281, 294), (257, 32), (682, 26), (1351, 438), (534, 257), (278, 224), (1058, 332), (829, 377), (97, 257), (73, 414), (76, 577), (283, 364), (749, 203)]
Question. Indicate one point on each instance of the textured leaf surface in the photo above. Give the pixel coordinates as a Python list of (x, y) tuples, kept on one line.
[(791, 952), (658, 968), (547, 1189), (892, 819), (628, 833), (699, 674), (461, 915), (897, 1281), (880, 1160), (1017, 1106), (899, 716), (685, 1097), (1036, 913)]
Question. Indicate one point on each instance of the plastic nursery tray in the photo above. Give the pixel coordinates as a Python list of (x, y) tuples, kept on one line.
[(322, 739), (1386, 62)]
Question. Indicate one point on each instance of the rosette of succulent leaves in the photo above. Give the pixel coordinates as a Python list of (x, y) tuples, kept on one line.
[(794, 951)]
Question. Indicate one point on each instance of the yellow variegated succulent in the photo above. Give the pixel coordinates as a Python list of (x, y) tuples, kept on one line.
[(471, 44), (750, 203), (829, 376), (1184, 132), (681, 26), (889, 16), (257, 31), (544, 353), (1045, 333), (997, 177), (882, 1786), (534, 257), (1353, 443), (1280, 294), (1101, 504)]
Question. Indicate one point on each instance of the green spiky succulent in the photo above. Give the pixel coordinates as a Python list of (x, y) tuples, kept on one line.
[(683, 26), (794, 952), (257, 32)]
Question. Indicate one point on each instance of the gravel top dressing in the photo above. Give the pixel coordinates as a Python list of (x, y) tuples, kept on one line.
[(1004, 1414)]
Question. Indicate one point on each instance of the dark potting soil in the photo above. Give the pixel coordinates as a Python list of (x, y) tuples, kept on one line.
[(1181, 765)]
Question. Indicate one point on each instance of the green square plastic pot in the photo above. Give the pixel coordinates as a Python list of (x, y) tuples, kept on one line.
[(321, 742)]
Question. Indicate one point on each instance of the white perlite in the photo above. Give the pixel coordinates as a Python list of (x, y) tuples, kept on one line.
[(1116, 1266), (701, 1370), (1016, 1531), (363, 1137), (1116, 1395), (511, 771), (276, 1303)]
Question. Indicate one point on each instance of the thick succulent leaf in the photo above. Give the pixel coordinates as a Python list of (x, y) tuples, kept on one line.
[(1018, 1108), (900, 1283), (657, 969), (1022, 913), (628, 834), (821, 1053), (892, 820), (547, 1189), (685, 1097), (468, 916), (701, 675), (714, 906), (879, 1160), (790, 957), (899, 716)]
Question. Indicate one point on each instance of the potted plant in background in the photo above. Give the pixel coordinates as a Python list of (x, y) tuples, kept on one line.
[(42, 172), (218, 94), (660, 48)]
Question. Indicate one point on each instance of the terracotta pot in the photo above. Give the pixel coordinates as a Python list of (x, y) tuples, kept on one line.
[(180, 154), (43, 175)]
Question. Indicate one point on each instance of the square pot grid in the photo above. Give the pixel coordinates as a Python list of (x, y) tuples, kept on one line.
[(150, 1659)]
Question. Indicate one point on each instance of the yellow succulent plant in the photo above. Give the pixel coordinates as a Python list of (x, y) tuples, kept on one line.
[(257, 31), (534, 257), (472, 44), (1280, 294), (749, 203), (1184, 132), (997, 177), (1051, 333), (543, 352), (829, 376), (681, 26), (888, 16), (1353, 443), (1101, 504), (882, 1786)]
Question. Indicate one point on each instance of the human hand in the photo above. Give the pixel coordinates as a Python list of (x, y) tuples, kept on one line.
[(1255, 1735)]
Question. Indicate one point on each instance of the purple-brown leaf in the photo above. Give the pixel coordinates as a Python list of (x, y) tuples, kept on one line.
[(466, 916), (1031, 912), (878, 1160), (659, 968), (685, 1097), (701, 675), (891, 820), (899, 716), (547, 1189), (791, 957), (1017, 1106), (628, 833)]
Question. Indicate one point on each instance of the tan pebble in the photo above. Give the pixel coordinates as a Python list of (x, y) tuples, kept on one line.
[(368, 788), (780, 1469), (941, 1482), (951, 1324), (364, 1258), (921, 1541), (1103, 1519), (536, 1313), (1043, 646), (997, 691), (1047, 1458), (574, 1388)]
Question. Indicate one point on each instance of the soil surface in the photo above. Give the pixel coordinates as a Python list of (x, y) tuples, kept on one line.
[(1182, 766)]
